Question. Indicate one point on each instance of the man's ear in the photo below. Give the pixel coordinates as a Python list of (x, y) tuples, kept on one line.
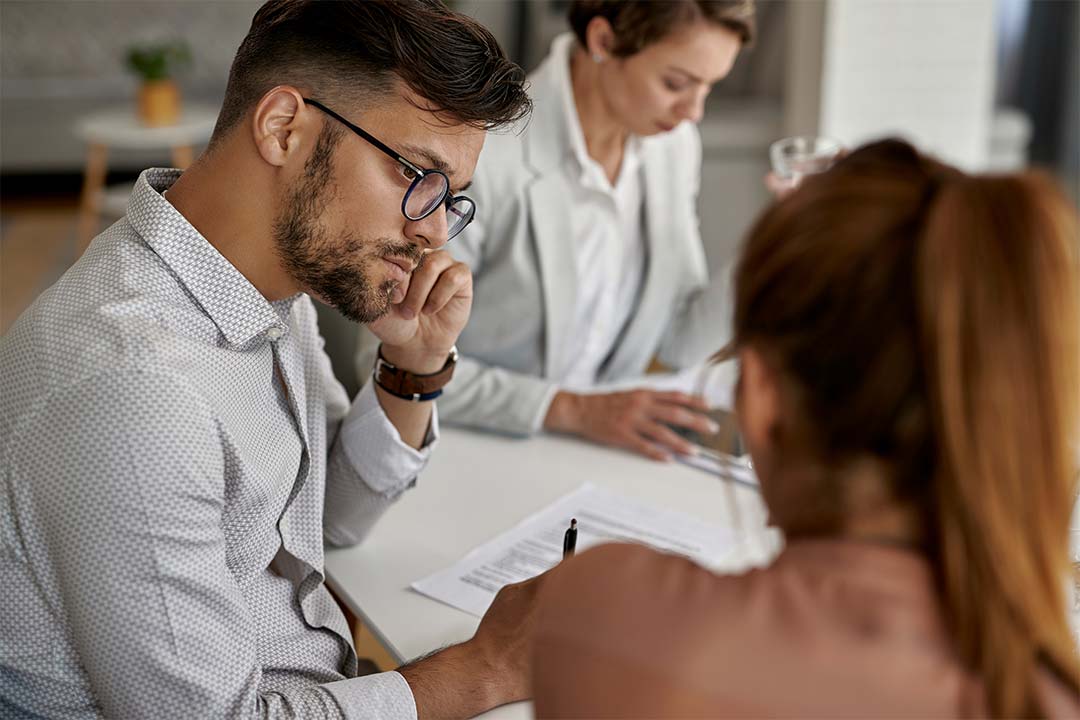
[(281, 123)]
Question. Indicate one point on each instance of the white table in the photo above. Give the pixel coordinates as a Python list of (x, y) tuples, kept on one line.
[(120, 129), (479, 485)]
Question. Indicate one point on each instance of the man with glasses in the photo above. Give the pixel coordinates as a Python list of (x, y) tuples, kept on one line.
[(428, 190), (175, 449)]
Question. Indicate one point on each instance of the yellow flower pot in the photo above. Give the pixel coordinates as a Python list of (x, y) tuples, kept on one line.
[(159, 103)]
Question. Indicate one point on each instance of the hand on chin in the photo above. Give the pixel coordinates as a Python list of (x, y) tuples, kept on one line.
[(394, 327), (431, 310)]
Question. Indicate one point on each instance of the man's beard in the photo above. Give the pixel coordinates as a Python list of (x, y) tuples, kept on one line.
[(334, 269)]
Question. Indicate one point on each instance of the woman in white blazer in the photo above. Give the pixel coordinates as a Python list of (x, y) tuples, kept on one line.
[(585, 252)]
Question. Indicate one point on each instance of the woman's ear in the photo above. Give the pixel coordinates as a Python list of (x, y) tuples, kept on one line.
[(280, 122), (758, 401), (599, 39)]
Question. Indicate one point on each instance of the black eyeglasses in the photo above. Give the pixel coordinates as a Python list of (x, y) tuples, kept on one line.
[(429, 190)]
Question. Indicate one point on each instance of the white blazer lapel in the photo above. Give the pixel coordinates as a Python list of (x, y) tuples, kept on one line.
[(663, 222), (547, 144), (551, 231)]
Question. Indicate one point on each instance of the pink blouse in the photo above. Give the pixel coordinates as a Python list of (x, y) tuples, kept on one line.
[(831, 629)]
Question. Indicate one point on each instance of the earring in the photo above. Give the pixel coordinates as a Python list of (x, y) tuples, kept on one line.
[(597, 58)]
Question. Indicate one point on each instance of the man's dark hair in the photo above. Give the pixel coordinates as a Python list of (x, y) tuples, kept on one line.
[(352, 51), (639, 23)]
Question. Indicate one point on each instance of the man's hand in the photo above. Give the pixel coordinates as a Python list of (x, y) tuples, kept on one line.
[(427, 313), (505, 638), (491, 669), (637, 420)]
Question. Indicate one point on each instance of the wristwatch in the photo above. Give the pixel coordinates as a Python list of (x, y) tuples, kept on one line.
[(410, 386)]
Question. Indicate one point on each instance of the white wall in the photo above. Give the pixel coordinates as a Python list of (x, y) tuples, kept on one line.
[(922, 69), (62, 59)]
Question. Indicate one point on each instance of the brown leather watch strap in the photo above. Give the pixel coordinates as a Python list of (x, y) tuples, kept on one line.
[(411, 386)]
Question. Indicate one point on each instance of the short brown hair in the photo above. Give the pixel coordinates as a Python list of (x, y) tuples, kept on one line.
[(638, 23), (354, 50)]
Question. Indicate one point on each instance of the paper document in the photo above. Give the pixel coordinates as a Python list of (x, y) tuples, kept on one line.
[(535, 544)]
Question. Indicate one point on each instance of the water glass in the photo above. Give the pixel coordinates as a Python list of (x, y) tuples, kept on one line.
[(795, 157)]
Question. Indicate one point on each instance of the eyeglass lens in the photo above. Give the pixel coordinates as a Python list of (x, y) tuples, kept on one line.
[(458, 215), (428, 193), (425, 195)]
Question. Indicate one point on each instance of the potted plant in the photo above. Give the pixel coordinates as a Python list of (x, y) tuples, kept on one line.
[(159, 96)]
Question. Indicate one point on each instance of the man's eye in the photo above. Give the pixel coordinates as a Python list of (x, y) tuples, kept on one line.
[(408, 173)]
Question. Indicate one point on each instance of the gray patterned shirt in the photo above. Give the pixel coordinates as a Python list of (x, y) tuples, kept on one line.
[(164, 501)]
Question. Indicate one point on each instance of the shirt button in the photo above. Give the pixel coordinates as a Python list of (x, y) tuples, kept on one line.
[(274, 334)]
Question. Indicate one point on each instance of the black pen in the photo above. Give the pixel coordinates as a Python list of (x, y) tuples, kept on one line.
[(569, 540)]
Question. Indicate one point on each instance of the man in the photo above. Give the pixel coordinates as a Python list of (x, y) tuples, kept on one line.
[(587, 259), (174, 446)]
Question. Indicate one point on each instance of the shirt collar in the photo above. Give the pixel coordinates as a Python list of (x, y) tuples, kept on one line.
[(561, 50), (231, 302)]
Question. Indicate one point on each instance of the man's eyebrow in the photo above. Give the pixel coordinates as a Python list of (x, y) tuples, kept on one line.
[(432, 161)]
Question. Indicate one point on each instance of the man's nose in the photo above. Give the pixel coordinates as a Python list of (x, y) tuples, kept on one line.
[(429, 232)]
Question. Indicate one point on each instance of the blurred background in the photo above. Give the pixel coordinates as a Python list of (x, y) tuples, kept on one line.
[(985, 84)]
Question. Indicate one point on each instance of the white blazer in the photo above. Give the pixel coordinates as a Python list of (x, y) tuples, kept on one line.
[(521, 252)]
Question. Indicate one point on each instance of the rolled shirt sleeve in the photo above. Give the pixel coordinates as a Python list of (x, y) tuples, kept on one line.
[(369, 467), (385, 695)]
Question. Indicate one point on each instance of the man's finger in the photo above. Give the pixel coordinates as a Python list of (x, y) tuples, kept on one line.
[(423, 279), (455, 281)]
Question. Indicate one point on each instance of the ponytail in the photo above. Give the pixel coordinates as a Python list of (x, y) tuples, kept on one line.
[(997, 307), (929, 321)]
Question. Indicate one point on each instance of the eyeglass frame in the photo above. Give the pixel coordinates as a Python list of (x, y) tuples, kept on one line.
[(448, 198)]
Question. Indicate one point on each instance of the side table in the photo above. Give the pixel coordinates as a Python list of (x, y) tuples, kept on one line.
[(120, 129)]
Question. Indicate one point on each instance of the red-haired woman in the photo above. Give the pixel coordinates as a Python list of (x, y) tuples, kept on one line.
[(908, 341)]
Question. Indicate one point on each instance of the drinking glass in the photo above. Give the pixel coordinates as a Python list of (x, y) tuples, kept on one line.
[(795, 157)]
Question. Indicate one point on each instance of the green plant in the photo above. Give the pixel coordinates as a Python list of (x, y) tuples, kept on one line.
[(158, 61)]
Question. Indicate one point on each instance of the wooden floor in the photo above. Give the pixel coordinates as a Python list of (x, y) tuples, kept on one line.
[(37, 244)]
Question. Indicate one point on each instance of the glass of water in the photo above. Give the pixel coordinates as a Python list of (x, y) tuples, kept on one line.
[(795, 157)]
